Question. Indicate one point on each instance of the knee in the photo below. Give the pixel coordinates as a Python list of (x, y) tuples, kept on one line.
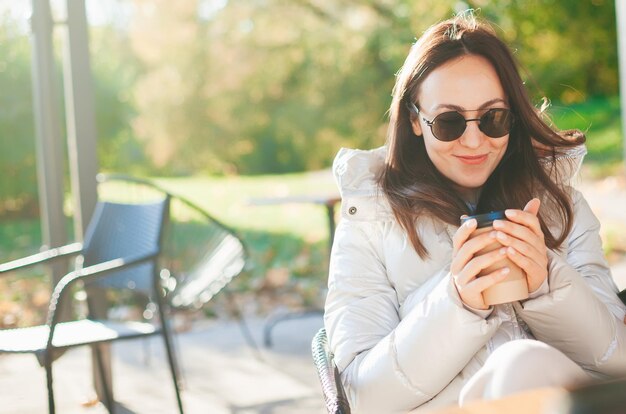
[(521, 365), (525, 355), (535, 362)]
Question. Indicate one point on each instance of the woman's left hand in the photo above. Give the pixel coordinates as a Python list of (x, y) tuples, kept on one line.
[(525, 243)]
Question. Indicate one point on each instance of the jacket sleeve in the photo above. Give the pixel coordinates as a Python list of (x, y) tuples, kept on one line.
[(388, 362), (581, 315)]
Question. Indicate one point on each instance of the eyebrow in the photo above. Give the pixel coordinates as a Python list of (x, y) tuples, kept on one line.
[(460, 109)]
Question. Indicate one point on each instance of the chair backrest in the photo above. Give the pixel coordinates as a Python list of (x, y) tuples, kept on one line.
[(126, 230), (202, 254), (328, 374), (224, 258)]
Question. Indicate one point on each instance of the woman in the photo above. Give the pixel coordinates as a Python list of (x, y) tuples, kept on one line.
[(405, 312)]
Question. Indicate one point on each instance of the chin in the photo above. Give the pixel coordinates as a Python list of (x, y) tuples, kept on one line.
[(470, 184)]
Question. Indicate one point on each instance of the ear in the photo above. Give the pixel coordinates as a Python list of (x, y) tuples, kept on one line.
[(415, 125)]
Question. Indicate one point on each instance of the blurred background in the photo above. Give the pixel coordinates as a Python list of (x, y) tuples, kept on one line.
[(222, 101)]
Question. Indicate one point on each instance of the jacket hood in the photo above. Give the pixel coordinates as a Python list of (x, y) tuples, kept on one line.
[(356, 171)]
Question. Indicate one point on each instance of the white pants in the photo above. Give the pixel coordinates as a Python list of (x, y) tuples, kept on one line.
[(518, 366)]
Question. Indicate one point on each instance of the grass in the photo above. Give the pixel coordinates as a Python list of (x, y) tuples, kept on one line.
[(231, 199)]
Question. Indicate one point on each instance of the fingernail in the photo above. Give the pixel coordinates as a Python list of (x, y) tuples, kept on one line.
[(510, 213), (503, 251), (470, 223), (493, 234), (498, 224), (512, 251), (505, 270), (502, 236)]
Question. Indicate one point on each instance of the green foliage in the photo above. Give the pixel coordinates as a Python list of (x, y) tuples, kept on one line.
[(599, 118), (114, 72), (569, 48), (18, 189)]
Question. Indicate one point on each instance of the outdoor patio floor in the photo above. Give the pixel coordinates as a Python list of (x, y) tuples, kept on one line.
[(221, 374)]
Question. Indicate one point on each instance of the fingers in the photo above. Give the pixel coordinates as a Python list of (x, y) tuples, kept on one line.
[(527, 217), (488, 280), (478, 264), (463, 233), (536, 272), (517, 231), (522, 232), (521, 260), (533, 206), (469, 248), (521, 238), (534, 252), (472, 293)]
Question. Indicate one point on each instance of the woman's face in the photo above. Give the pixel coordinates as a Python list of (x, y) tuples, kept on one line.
[(468, 84)]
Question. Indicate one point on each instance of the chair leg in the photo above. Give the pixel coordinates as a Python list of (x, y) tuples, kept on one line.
[(180, 375), (103, 380), (146, 351), (48, 365), (170, 356), (243, 326)]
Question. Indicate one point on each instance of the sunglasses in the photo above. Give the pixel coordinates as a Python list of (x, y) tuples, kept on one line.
[(448, 126)]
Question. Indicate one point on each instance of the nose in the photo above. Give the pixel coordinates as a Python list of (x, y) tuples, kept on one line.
[(472, 136)]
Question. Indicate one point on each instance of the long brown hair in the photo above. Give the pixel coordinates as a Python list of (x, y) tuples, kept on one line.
[(410, 181)]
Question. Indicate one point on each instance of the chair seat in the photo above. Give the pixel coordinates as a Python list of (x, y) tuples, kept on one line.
[(69, 334)]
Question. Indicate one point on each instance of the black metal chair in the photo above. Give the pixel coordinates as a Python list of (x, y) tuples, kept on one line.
[(121, 248), (332, 389), (622, 296)]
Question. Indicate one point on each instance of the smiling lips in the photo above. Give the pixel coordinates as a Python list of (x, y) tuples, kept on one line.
[(472, 159)]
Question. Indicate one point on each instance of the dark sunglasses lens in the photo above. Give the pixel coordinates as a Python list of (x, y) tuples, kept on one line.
[(448, 126), (496, 123)]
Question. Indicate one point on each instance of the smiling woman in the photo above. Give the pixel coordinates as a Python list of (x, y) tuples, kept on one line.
[(407, 316)]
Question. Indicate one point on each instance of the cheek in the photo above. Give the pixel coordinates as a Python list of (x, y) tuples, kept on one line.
[(436, 149), (500, 144)]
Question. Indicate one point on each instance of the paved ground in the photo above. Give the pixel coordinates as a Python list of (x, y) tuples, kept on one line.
[(222, 374), (607, 199)]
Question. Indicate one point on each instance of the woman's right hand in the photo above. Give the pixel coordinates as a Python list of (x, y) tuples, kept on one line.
[(466, 265)]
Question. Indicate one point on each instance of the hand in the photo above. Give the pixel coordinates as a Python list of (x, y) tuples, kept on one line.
[(466, 265), (525, 243)]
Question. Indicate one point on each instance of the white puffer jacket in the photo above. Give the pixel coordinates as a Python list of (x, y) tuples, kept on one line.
[(399, 331)]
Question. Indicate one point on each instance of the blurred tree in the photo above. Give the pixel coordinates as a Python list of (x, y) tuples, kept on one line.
[(18, 186), (569, 48), (115, 70), (168, 38), (265, 86)]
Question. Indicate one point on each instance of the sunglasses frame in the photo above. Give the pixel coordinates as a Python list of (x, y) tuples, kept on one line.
[(413, 108)]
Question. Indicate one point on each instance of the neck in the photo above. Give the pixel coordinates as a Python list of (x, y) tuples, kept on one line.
[(470, 195)]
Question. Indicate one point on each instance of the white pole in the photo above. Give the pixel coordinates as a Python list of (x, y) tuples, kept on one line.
[(80, 115), (620, 12), (49, 146), (83, 160)]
